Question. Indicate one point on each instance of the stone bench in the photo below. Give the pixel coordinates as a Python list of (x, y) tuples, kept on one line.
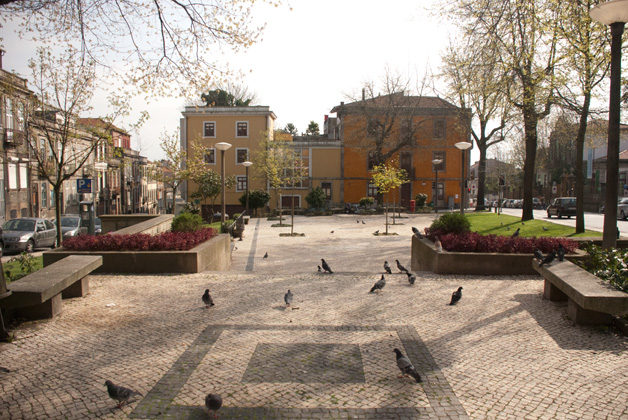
[(589, 299), (38, 295)]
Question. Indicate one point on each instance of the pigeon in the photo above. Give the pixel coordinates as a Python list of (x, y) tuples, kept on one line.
[(507, 227), (363, 222), (502, 223), (538, 255), (120, 393), (560, 252), (401, 267), (320, 270), (405, 366), (213, 402), (357, 221), (545, 229), (438, 245), (514, 235), (207, 299), (387, 267), (376, 232), (332, 231), (417, 232), (411, 278), (326, 267), (379, 285), (548, 258), (522, 223), (288, 298), (456, 296), (266, 255)]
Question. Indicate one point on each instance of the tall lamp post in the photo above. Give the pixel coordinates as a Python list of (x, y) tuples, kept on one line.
[(246, 165), (222, 146), (436, 162), (615, 14), (463, 145)]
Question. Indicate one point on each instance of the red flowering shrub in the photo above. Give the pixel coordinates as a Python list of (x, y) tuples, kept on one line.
[(167, 241), (474, 242)]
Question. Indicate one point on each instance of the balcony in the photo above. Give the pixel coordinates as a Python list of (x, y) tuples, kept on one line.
[(13, 137)]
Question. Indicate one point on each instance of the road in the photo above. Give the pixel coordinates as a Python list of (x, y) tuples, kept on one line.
[(592, 221)]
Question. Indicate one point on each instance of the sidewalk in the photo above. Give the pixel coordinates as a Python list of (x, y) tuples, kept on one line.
[(501, 353)]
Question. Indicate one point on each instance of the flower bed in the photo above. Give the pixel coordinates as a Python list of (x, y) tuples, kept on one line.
[(166, 241)]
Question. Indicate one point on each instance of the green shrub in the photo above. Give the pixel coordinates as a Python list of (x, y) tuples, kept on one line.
[(316, 198), (420, 200), (367, 201), (191, 207), (608, 264), (451, 223), (187, 222)]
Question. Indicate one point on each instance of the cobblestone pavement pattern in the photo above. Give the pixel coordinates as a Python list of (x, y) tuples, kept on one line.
[(501, 353)]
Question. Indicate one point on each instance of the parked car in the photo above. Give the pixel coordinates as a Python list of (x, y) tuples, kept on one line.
[(622, 208), (1, 243), (97, 226), (71, 225), (27, 233), (562, 206)]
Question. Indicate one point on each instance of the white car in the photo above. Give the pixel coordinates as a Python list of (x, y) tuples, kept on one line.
[(622, 208)]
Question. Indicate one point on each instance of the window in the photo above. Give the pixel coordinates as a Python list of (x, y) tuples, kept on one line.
[(441, 190), (8, 118), (242, 129), (23, 176), (439, 129), (12, 171), (326, 187), (242, 155), (240, 183), (439, 155), (44, 194), (42, 148), (209, 129), (210, 156), (371, 190)]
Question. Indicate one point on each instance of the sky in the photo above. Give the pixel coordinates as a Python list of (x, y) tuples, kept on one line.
[(313, 55)]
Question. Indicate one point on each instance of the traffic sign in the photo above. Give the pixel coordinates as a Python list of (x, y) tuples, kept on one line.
[(84, 186)]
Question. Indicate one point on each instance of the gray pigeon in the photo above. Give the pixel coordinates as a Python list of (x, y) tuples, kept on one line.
[(387, 267), (363, 222), (120, 393), (379, 285), (326, 267), (548, 259), (514, 235), (266, 255), (320, 270), (213, 402), (405, 366), (288, 298), (560, 252), (411, 278), (545, 229), (401, 267), (417, 232), (207, 299), (538, 255), (456, 296)]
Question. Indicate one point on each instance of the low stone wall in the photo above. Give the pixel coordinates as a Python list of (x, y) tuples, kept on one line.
[(426, 258), (214, 255), (122, 224)]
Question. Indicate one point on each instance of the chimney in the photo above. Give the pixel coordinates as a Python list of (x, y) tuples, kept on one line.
[(326, 116), (1, 55)]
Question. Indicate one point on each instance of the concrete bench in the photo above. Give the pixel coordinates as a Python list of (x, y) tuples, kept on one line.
[(589, 299), (39, 294)]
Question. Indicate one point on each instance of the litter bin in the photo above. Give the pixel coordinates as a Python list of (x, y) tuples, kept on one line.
[(412, 206)]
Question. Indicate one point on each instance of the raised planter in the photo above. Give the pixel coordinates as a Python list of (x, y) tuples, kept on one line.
[(121, 224), (426, 258), (214, 255)]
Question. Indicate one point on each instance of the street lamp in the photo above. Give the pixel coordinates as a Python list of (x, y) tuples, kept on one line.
[(615, 14), (436, 162), (222, 146), (246, 165), (463, 145)]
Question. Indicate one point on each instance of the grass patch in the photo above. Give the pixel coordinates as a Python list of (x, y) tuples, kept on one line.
[(13, 269), (505, 225), (292, 234)]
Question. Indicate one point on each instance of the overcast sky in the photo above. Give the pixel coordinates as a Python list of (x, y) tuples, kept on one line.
[(310, 59)]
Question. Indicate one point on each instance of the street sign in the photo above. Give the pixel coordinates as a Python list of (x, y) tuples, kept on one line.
[(554, 189), (84, 186)]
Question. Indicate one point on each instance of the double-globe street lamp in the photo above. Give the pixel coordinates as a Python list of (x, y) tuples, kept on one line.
[(246, 165), (463, 145), (615, 14), (436, 162), (222, 146)]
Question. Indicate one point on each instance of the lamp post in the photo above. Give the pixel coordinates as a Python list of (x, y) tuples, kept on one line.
[(436, 162), (615, 14), (222, 146), (246, 165), (463, 145)]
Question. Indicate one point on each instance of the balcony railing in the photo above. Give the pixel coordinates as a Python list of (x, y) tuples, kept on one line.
[(13, 137)]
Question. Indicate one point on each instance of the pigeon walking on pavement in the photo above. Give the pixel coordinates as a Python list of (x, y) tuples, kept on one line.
[(326, 266), (411, 278), (120, 393), (406, 367), (560, 252), (288, 298), (401, 267), (387, 267), (417, 232), (213, 402), (379, 285), (207, 299), (548, 259), (266, 255), (456, 296), (320, 270), (514, 235)]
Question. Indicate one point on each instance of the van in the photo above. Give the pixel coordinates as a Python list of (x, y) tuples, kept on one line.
[(562, 206)]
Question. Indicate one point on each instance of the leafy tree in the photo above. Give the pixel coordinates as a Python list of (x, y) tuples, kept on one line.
[(218, 97), (313, 129), (164, 43), (316, 198), (291, 129), (386, 178), (209, 186), (257, 199)]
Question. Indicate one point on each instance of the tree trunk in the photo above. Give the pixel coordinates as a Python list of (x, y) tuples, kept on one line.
[(292, 218), (582, 131), (479, 205), (386, 211), (530, 121), (57, 190)]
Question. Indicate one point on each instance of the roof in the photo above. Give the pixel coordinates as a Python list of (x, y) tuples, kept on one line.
[(424, 102), (99, 122)]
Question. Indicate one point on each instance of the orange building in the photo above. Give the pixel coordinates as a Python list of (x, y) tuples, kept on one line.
[(414, 130)]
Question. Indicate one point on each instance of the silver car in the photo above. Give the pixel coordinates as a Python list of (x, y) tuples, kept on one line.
[(71, 225), (27, 233)]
